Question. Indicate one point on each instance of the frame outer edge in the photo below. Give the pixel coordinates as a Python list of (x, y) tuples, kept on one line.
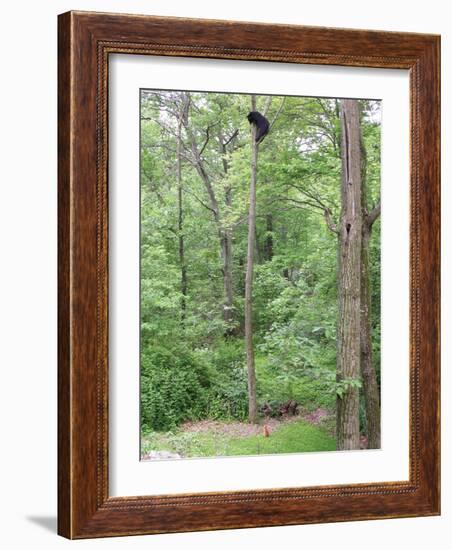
[(433, 176), (64, 277), (438, 146)]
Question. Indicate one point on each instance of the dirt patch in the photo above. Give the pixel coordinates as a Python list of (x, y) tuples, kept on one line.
[(316, 417), (244, 429), (237, 429)]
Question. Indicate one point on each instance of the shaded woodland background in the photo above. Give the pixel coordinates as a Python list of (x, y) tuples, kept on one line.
[(314, 379)]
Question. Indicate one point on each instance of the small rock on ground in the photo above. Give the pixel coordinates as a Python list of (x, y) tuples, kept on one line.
[(160, 455)]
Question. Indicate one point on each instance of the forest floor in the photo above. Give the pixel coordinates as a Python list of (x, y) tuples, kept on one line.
[(294, 434)]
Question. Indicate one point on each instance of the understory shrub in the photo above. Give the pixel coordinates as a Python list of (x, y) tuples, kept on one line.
[(228, 393), (174, 388)]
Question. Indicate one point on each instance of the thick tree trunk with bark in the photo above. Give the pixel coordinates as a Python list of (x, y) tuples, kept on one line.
[(349, 280), (369, 377), (370, 389), (252, 406)]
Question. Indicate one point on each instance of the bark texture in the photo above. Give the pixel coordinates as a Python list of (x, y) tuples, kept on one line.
[(349, 280), (269, 238), (226, 250), (252, 407), (370, 390), (180, 206), (369, 377)]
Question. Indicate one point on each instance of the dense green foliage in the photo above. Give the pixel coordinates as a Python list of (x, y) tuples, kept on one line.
[(175, 385), (193, 362)]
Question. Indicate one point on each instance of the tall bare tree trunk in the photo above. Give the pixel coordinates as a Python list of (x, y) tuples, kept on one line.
[(369, 377), (269, 238), (226, 251), (224, 234), (180, 208), (252, 406), (228, 304), (350, 231)]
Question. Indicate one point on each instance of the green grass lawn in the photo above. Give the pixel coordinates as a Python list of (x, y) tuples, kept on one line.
[(294, 437)]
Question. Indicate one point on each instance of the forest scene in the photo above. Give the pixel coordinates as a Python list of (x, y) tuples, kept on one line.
[(260, 274)]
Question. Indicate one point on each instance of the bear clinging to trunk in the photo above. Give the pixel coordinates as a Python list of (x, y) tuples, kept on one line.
[(261, 123)]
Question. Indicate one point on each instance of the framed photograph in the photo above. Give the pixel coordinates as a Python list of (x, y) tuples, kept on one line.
[(248, 275)]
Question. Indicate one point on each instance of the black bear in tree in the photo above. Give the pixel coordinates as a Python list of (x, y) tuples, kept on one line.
[(261, 123)]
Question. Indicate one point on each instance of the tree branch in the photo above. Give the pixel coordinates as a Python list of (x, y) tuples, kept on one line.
[(231, 138), (373, 215), (205, 178), (200, 201), (277, 113), (302, 202), (329, 221), (206, 142), (267, 105)]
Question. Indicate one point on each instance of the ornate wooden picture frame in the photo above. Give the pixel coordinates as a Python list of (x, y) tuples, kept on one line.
[(86, 40)]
